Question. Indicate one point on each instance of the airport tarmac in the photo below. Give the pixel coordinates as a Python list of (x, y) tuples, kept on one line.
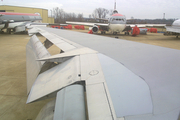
[(13, 93)]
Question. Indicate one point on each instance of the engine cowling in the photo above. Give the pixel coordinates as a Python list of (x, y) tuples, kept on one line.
[(95, 29)]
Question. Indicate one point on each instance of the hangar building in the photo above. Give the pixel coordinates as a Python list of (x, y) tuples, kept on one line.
[(18, 9)]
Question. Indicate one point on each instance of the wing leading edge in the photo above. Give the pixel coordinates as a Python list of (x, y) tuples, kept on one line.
[(120, 78), (146, 25), (86, 23)]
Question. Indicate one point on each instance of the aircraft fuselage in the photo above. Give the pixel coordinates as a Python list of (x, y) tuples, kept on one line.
[(117, 22), (12, 20)]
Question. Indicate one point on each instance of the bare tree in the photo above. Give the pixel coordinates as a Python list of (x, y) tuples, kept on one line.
[(80, 17), (93, 14), (100, 13), (58, 14), (73, 16), (61, 17), (104, 13), (89, 15)]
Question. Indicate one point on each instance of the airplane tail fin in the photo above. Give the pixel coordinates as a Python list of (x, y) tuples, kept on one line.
[(115, 5), (115, 11), (34, 50)]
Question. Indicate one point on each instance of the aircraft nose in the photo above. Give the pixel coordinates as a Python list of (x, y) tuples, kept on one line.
[(120, 27)]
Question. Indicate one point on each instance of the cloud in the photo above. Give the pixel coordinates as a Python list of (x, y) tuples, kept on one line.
[(46, 5), (137, 8)]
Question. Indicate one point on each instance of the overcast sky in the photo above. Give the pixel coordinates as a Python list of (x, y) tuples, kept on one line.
[(143, 9)]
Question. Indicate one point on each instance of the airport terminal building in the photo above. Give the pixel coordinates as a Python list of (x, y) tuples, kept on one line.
[(18, 9)]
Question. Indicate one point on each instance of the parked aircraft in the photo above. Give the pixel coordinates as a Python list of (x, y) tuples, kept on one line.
[(174, 29), (17, 21), (101, 78), (116, 23)]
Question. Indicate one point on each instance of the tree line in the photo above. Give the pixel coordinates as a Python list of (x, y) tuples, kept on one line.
[(151, 21), (60, 16)]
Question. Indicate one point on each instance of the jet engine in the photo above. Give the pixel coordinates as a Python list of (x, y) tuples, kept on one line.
[(95, 29)]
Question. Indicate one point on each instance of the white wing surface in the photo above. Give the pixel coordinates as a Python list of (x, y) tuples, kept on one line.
[(146, 25), (108, 78), (86, 23)]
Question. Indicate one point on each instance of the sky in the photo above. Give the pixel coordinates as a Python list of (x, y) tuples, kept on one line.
[(138, 9)]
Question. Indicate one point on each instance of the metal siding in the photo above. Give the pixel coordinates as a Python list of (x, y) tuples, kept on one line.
[(45, 16)]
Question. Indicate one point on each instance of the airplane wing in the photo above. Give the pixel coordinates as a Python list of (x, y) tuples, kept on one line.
[(102, 78), (86, 23), (104, 19), (131, 25), (146, 25), (34, 24)]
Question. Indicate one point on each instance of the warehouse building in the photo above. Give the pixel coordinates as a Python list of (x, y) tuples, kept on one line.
[(18, 9)]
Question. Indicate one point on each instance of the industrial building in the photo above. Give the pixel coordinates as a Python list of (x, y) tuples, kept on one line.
[(18, 9)]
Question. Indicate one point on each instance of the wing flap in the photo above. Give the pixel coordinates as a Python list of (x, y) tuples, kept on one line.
[(47, 112), (34, 50), (97, 99), (63, 44), (57, 41), (55, 79), (98, 104), (74, 52), (70, 104), (146, 25)]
